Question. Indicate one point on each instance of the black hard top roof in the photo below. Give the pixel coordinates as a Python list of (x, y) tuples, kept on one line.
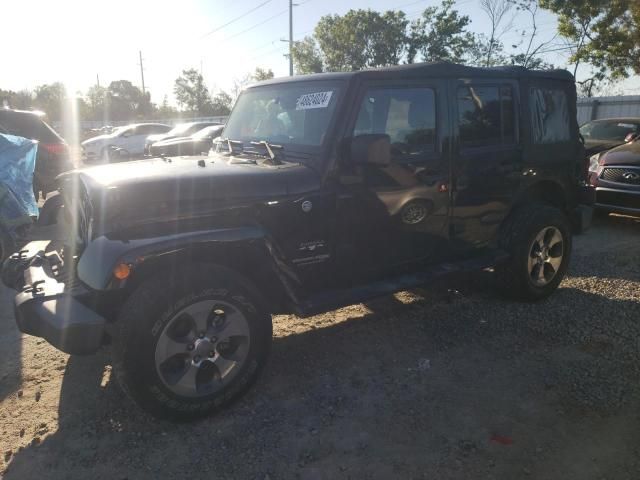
[(438, 69)]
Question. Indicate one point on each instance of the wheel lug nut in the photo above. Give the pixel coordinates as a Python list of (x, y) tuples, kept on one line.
[(190, 347), (212, 354)]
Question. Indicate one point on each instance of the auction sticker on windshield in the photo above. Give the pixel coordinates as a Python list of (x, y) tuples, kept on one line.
[(313, 100)]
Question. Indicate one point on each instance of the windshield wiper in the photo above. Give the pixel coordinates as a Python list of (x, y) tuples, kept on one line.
[(271, 154), (231, 143)]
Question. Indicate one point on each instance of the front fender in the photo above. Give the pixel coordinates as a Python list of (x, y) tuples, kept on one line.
[(96, 263)]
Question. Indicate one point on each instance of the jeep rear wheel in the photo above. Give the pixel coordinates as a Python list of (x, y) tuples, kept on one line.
[(538, 240), (185, 351)]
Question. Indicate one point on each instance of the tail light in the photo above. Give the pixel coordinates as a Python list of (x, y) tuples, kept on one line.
[(54, 148)]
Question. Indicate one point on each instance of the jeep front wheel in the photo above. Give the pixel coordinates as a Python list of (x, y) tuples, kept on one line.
[(538, 240), (185, 351)]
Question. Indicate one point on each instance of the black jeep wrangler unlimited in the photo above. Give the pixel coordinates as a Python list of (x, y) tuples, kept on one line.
[(323, 191)]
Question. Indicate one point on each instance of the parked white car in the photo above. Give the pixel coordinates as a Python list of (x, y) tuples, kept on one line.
[(130, 138)]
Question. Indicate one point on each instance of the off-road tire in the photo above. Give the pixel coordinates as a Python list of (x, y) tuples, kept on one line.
[(148, 310), (512, 276)]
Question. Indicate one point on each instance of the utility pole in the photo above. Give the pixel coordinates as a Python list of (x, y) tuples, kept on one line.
[(98, 80), (142, 72), (291, 38)]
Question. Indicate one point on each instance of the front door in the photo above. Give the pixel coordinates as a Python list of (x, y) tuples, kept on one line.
[(396, 215)]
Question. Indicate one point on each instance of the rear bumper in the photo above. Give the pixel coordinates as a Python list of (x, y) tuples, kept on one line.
[(47, 308)]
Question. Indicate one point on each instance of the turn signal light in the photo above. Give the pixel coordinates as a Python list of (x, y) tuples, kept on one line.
[(122, 271)]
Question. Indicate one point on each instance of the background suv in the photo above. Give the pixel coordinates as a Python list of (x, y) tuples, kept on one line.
[(53, 153), (130, 138), (196, 144)]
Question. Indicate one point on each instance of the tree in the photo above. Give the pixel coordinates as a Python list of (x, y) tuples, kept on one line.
[(97, 100), (530, 34), (307, 57), (50, 99), (261, 74), (606, 34), (534, 63), (166, 110), (191, 92), (500, 23), (359, 39), (221, 103), (441, 34), (486, 53), (124, 101), (21, 100)]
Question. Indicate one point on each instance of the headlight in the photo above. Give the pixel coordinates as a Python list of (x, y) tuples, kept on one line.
[(593, 162)]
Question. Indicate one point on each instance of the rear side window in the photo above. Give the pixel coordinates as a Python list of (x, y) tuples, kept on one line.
[(407, 115), (550, 119), (144, 130), (485, 115), (151, 129)]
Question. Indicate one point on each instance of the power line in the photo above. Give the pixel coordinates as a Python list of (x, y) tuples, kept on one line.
[(254, 26), (259, 24), (266, 54), (408, 4), (235, 19)]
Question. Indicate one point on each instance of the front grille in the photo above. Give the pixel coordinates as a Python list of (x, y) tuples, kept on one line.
[(80, 212), (84, 217), (626, 175)]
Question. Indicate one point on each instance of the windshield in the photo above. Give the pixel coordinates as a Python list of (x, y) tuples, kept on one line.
[(616, 130), (117, 131), (286, 113), (180, 129)]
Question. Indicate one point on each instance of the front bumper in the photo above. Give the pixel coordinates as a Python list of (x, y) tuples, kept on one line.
[(618, 200), (48, 308)]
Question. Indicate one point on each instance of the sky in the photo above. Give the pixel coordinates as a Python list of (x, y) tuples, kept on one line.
[(77, 42)]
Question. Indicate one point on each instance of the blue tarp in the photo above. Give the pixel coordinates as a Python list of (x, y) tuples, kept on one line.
[(17, 163)]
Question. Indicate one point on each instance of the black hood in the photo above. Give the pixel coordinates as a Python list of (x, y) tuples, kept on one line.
[(159, 189), (593, 146), (627, 154)]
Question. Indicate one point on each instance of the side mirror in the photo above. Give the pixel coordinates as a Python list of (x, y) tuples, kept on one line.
[(373, 149)]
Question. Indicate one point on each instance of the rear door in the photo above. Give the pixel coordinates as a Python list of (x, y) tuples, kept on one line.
[(487, 160), (396, 215), (554, 151)]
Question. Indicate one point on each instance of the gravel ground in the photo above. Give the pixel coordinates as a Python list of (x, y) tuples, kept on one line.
[(447, 382)]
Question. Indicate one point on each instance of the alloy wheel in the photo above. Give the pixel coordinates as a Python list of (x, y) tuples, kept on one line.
[(202, 348), (545, 256)]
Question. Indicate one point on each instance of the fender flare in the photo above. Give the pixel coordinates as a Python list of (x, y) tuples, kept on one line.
[(102, 254)]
